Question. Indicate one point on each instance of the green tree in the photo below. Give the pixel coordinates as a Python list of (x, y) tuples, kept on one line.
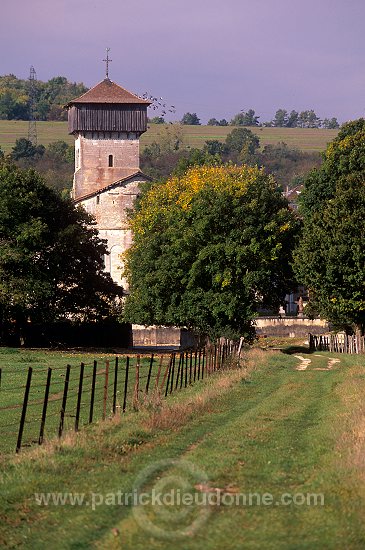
[(293, 119), (213, 122), (223, 122), (242, 139), (51, 261), (190, 118), (209, 249), (330, 257), (60, 151), (196, 157), (245, 119), (309, 119), (215, 147), (281, 118), (50, 97), (344, 155), (24, 149), (157, 120), (330, 123)]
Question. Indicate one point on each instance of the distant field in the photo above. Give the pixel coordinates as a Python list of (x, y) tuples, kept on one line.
[(194, 136)]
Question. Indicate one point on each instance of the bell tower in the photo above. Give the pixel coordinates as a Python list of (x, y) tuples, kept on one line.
[(107, 122)]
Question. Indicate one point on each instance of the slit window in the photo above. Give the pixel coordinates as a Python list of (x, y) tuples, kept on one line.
[(110, 161), (97, 199)]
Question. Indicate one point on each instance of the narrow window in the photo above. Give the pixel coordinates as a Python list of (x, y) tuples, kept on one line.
[(110, 161), (97, 199)]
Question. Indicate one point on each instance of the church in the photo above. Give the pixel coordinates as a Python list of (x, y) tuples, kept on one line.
[(107, 122)]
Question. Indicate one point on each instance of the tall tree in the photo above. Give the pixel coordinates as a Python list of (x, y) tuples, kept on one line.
[(330, 123), (248, 118), (293, 119), (330, 259), (209, 249), (51, 261), (190, 118), (281, 118), (242, 140)]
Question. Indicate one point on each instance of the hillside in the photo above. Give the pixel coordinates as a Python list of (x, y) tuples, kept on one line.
[(305, 139)]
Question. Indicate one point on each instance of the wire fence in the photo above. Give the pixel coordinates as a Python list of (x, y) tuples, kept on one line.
[(50, 401)]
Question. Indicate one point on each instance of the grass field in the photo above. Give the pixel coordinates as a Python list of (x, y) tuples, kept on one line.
[(267, 428), (14, 365), (194, 136)]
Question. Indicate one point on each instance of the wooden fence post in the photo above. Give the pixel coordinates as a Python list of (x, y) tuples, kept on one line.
[(168, 372), (106, 381), (115, 386), (92, 398), (64, 400), (159, 372), (149, 374), (126, 384), (24, 409), (79, 396), (178, 373), (45, 403), (172, 372), (136, 385), (186, 369), (182, 370)]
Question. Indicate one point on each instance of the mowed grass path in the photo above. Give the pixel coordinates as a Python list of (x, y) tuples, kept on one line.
[(194, 136), (267, 429)]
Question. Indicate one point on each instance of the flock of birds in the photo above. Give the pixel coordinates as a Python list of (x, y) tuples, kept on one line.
[(159, 104)]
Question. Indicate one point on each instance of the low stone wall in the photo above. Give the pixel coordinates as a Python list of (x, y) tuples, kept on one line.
[(157, 336), (292, 327)]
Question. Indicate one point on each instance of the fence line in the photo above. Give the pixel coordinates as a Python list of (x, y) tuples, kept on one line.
[(95, 391), (337, 343)]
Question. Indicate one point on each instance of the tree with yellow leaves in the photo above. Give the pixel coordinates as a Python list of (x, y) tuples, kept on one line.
[(210, 248)]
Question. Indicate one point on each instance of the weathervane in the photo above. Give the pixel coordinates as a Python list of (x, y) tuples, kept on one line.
[(107, 61)]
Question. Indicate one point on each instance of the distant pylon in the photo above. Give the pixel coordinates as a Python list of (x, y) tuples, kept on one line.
[(32, 128)]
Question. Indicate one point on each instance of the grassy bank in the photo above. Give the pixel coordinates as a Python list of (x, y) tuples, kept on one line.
[(267, 428), (193, 136)]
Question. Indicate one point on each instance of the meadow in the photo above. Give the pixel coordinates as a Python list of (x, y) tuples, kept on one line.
[(304, 139), (272, 427)]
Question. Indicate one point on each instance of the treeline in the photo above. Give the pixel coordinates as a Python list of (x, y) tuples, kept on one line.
[(50, 97), (55, 162), (170, 156), (282, 119)]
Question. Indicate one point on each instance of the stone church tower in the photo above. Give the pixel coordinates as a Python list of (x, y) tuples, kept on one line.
[(107, 122)]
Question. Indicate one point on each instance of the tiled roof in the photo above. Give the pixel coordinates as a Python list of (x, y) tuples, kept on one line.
[(108, 92)]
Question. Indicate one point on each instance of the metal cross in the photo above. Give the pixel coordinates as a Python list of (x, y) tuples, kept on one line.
[(107, 61)]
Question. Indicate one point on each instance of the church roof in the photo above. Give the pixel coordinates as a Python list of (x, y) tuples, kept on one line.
[(108, 92), (121, 181)]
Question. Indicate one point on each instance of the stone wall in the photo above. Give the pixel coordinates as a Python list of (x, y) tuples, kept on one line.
[(92, 170), (110, 211), (294, 327), (156, 336)]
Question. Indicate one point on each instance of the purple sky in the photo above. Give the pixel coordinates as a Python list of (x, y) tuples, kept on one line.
[(212, 57)]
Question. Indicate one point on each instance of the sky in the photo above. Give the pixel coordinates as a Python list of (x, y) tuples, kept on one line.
[(212, 57)]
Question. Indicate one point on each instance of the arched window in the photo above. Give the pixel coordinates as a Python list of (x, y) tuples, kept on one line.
[(110, 161)]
